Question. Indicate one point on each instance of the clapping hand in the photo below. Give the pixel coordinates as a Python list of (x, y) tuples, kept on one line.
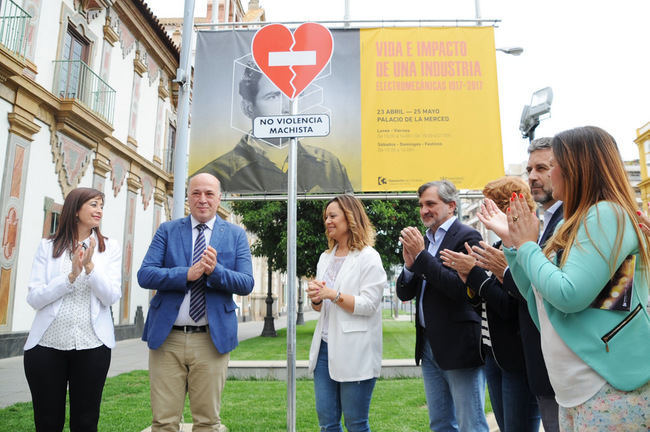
[(644, 222), (490, 258), (82, 258), (77, 259), (412, 244), (458, 261), (523, 224), (495, 220), (87, 257), (209, 260), (316, 291), (205, 265)]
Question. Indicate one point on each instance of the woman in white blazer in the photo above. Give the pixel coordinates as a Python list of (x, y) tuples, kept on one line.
[(76, 277), (345, 354)]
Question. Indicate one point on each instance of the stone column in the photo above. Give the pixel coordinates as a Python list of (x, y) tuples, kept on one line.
[(159, 203), (159, 145), (22, 128), (139, 68), (101, 167), (133, 185)]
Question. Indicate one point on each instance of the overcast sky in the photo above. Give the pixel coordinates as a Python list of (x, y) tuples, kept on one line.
[(592, 53)]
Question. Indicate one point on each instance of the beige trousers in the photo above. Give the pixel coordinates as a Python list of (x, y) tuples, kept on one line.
[(187, 363)]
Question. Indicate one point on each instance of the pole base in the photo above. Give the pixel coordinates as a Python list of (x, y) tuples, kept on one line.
[(269, 327)]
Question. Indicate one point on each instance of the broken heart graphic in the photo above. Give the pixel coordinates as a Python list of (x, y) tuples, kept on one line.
[(292, 61)]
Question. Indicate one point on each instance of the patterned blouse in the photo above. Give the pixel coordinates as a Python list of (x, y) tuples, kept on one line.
[(72, 329)]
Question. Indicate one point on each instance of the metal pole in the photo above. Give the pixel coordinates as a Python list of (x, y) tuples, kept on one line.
[(183, 78), (477, 11), (291, 278), (226, 7), (392, 23), (269, 326), (215, 11), (346, 14)]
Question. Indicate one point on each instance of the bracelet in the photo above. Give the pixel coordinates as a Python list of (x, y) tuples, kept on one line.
[(337, 298), (316, 304)]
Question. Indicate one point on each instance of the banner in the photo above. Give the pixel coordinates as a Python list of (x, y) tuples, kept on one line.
[(406, 106)]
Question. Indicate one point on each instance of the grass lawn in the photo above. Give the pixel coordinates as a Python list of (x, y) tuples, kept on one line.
[(248, 406), (399, 343), (258, 406), (388, 313)]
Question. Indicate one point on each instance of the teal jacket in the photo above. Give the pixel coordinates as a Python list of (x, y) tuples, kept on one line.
[(616, 344)]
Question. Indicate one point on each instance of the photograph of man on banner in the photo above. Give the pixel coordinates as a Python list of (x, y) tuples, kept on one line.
[(256, 165)]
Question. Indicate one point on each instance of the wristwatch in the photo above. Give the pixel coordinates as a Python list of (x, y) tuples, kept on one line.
[(337, 298)]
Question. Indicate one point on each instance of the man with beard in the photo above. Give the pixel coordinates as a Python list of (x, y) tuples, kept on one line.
[(539, 179), (260, 166)]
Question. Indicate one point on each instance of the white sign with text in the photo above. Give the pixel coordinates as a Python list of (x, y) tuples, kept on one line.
[(292, 126)]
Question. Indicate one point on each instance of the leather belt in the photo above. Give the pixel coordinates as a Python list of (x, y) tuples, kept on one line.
[(191, 329)]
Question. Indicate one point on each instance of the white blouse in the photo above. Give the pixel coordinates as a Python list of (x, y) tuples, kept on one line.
[(329, 279), (573, 380)]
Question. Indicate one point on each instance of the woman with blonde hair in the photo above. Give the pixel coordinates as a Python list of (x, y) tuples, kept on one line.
[(514, 406), (345, 354), (588, 288)]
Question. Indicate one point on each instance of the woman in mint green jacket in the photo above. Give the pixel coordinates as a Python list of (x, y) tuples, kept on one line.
[(587, 290)]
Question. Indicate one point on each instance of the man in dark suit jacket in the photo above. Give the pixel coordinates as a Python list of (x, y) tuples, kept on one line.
[(448, 339), (195, 264), (539, 179)]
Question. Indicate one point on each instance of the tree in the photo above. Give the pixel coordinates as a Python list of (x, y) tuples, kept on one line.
[(389, 217), (268, 221)]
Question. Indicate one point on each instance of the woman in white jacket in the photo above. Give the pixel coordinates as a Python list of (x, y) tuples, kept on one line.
[(345, 354), (76, 277)]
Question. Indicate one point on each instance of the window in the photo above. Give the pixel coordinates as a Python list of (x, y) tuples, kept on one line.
[(52, 217), (171, 145), (75, 51)]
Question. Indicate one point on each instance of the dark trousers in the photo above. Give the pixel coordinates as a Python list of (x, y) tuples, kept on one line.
[(514, 406), (50, 372)]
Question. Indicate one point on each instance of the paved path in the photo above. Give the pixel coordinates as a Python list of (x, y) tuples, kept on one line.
[(128, 355)]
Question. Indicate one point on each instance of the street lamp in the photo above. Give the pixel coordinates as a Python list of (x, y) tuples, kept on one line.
[(515, 51), (540, 105)]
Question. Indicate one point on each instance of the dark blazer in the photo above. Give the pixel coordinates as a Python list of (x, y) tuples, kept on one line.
[(502, 312), (165, 269), (535, 365), (453, 328)]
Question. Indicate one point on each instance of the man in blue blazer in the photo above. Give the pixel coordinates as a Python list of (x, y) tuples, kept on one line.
[(448, 329), (195, 264)]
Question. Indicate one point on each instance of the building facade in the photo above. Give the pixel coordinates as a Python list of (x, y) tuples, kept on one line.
[(643, 143), (86, 99)]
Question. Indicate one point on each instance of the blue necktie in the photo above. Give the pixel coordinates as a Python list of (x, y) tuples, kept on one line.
[(197, 294)]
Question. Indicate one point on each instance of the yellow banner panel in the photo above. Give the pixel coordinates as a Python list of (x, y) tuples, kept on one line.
[(429, 107)]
